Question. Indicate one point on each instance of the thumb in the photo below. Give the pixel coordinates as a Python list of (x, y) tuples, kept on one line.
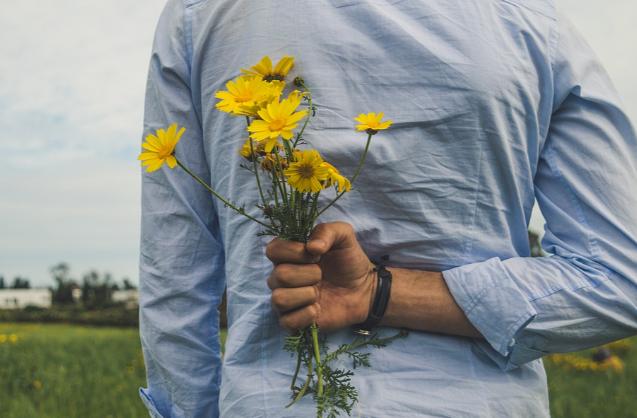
[(329, 236)]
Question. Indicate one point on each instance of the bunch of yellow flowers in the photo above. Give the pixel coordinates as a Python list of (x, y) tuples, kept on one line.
[(605, 358), (289, 180), (8, 338), (575, 362)]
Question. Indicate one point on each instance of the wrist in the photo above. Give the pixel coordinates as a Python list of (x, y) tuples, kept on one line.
[(380, 300), (366, 296)]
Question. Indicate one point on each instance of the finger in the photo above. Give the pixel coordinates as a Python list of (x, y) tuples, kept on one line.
[(294, 275), (300, 318), (281, 251), (329, 236), (284, 300)]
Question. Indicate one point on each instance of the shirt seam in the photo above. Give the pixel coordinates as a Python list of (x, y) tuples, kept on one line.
[(527, 7), (553, 41), (188, 40), (506, 346), (579, 213), (189, 46), (468, 246)]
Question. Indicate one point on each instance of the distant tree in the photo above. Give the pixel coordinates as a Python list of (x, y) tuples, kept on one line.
[(534, 243), (63, 293), (128, 285), (97, 292), (2, 285), (20, 283)]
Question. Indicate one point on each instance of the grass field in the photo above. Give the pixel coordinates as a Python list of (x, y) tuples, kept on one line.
[(65, 371)]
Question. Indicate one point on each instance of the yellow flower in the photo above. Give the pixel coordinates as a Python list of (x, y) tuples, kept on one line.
[(161, 148), (371, 122), (307, 173), (13, 338), (277, 119), (343, 184), (264, 68), (615, 363), (247, 94), (3, 338), (246, 151), (37, 385), (620, 346), (270, 162)]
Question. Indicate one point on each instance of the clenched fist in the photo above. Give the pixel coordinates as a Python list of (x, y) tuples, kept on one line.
[(329, 280)]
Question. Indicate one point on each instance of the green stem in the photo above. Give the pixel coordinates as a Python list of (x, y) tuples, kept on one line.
[(312, 216), (256, 172), (288, 150), (358, 170), (297, 369), (218, 196), (307, 119), (281, 179), (305, 385), (317, 355), (274, 190)]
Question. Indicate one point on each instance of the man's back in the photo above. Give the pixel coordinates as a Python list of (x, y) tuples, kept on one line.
[(472, 87)]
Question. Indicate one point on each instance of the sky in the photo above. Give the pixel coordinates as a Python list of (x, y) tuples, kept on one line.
[(72, 80)]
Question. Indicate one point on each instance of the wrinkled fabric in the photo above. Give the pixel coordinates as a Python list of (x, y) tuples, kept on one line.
[(495, 103)]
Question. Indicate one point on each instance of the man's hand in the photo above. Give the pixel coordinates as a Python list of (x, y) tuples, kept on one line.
[(329, 280)]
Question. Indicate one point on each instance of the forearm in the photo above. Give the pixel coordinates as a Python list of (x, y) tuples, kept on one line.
[(420, 300)]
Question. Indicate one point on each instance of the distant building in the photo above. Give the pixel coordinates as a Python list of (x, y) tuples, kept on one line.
[(21, 298), (76, 293), (130, 297)]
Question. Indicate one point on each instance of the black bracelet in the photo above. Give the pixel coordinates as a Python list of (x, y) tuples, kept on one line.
[(381, 299)]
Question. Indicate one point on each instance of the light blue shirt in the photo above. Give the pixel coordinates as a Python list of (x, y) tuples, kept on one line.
[(495, 103)]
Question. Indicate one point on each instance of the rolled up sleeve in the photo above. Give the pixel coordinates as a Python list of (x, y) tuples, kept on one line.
[(585, 293), (181, 256)]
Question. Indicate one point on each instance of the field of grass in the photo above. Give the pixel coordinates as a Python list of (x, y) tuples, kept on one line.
[(70, 371), (586, 394)]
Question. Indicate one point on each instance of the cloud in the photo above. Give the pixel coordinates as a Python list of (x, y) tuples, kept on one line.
[(71, 103), (77, 75)]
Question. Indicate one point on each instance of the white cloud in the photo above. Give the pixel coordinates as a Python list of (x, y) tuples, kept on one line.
[(74, 74), (71, 102)]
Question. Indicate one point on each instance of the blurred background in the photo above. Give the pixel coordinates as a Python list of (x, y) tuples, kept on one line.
[(72, 81)]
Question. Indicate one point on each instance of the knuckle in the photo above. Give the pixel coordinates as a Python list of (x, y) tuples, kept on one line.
[(318, 228), (279, 299), (287, 323), (269, 250), (282, 273), (314, 312), (347, 227)]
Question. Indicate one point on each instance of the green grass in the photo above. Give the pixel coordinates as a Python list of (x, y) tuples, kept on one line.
[(70, 371), (585, 394), (86, 372)]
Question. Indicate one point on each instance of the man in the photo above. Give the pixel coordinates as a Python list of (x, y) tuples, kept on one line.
[(495, 103)]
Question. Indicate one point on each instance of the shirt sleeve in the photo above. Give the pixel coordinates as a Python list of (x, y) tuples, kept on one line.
[(585, 293), (181, 256)]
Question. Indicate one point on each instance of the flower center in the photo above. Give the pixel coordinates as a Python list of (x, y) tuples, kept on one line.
[(164, 152), (274, 77), (277, 124), (245, 97), (306, 171)]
